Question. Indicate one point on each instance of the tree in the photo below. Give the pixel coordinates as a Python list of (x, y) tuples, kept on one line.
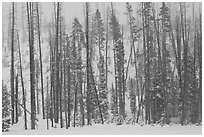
[(40, 52), (133, 37), (132, 98), (22, 82), (32, 71), (57, 83), (6, 120), (185, 60), (12, 63), (147, 43), (99, 40), (78, 42), (87, 63), (119, 61), (16, 99)]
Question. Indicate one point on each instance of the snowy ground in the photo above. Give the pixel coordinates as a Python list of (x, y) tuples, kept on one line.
[(107, 129)]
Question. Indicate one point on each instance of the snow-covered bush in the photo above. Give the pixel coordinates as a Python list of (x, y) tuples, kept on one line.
[(119, 120)]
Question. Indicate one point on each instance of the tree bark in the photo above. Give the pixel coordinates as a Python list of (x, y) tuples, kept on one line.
[(16, 96), (12, 65), (41, 66), (32, 71), (87, 64), (22, 83)]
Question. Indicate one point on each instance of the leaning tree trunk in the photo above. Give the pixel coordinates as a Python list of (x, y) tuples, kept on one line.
[(22, 83)]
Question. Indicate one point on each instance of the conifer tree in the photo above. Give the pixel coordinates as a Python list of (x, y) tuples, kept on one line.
[(6, 120)]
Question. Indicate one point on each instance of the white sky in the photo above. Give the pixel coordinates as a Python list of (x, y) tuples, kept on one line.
[(70, 10)]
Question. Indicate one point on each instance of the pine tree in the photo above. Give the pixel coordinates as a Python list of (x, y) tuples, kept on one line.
[(165, 58), (6, 119), (147, 44), (99, 41), (119, 62)]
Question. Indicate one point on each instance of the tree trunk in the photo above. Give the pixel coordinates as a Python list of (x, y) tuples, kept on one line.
[(16, 96), (61, 77), (32, 71), (107, 51), (97, 99), (69, 95), (47, 104), (75, 104), (41, 66), (22, 84), (57, 67), (12, 65), (87, 64), (51, 78)]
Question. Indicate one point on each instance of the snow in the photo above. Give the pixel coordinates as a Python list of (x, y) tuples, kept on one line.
[(106, 129)]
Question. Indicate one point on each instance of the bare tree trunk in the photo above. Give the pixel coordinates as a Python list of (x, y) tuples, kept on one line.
[(69, 96), (57, 67), (32, 71), (61, 77), (75, 103), (16, 96), (37, 92), (22, 84), (200, 71), (47, 104), (65, 84), (51, 78), (87, 64), (185, 48), (107, 51), (123, 81), (41, 66), (12, 65), (115, 69)]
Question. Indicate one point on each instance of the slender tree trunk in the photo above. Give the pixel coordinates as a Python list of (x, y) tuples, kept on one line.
[(81, 95), (75, 104), (123, 79), (47, 104), (200, 73), (51, 78), (69, 96), (61, 77), (32, 71), (37, 95), (16, 96), (107, 51), (57, 67), (22, 83), (185, 88), (40, 52), (115, 68), (87, 64), (12, 65), (65, 85), (97, 99)]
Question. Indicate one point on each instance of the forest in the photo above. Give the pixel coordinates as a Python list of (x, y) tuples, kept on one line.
[(97, 70)]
